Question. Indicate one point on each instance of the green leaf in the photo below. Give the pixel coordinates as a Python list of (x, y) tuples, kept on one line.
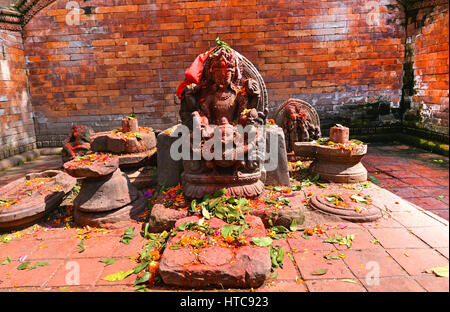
[(332, 257), (138, 269), (6, 261), (273, 275), (81, 246), (293, 226), (220, 192), (118, 276), (39, 264), (184, 226), (205, 213), (143, 279), (23, 265), (360, 199), (374, 180), (213, 203), (127, 236), (276, 256), (138, 135), (290, 256), (319, 272), (193, 206), (262, 241), (108, 261), (441, 196), (279, 229)]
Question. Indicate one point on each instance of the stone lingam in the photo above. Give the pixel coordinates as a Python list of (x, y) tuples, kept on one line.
[(28, 199), (132, 144), (230, 93), (336, 159), (106, 196)]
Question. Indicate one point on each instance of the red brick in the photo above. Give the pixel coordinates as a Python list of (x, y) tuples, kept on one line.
[(310, 261), (417, 261), (335, 286), (394, 284), (397, 238)]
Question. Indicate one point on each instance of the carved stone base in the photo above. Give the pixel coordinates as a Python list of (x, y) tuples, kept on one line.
[(247, 185), (31, 208), (114, 218), (332, 164), (339, 173), (353, 211)]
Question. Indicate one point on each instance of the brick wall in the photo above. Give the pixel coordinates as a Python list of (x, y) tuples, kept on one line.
[(343, 57), (16, 123), (428, 55), (5, 3)]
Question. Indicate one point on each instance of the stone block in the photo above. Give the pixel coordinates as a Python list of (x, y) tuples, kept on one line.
[(279, 175)]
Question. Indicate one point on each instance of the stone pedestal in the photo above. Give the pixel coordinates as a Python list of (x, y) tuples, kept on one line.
[(106, 197), (334, 164), (28, 199), (350, 210)]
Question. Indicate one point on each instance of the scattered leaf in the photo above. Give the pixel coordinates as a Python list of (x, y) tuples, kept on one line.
[(439, 271), (108, 261), (23, 265), (127, 236), (6, 261), (81, 246), (118, 276), (273, 275), (347, 280), (39, 264), (262, 241), (143, 279), (374, 180), (319, 272)]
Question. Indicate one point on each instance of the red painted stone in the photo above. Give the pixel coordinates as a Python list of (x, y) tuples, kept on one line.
[(339, 134), (214, 265), (33, 204)]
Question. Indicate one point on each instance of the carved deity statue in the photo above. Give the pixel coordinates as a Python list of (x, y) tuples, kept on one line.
[(227, 96)]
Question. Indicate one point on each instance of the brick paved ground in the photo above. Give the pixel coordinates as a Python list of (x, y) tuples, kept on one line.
[(401, 246), (412, 173)]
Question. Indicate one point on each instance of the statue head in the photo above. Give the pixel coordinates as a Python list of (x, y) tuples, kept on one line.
[(223, 67)]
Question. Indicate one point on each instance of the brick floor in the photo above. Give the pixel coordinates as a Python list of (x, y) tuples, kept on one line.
[(397, 249), (420, 177)]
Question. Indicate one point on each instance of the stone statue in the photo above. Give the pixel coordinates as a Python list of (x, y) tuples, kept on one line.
[(229, 94), (77, 143), (299, 121)]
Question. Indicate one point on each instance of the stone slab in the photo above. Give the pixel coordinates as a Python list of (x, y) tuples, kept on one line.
[(169, 170), (216, 265), (279, 175), (31, 208)]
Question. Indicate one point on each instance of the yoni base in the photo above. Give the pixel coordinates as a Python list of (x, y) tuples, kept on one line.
[(338, 172), (197, 185)]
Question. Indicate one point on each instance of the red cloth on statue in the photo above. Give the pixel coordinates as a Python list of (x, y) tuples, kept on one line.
[(193, 73)]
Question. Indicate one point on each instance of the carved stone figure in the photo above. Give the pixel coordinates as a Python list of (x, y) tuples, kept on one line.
[(78, 142), (230, 93), (299, 121)]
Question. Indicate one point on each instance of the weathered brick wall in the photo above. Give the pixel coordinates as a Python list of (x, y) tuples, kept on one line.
[(16, 123), (5, 3), (343, 57), (428, 55)]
